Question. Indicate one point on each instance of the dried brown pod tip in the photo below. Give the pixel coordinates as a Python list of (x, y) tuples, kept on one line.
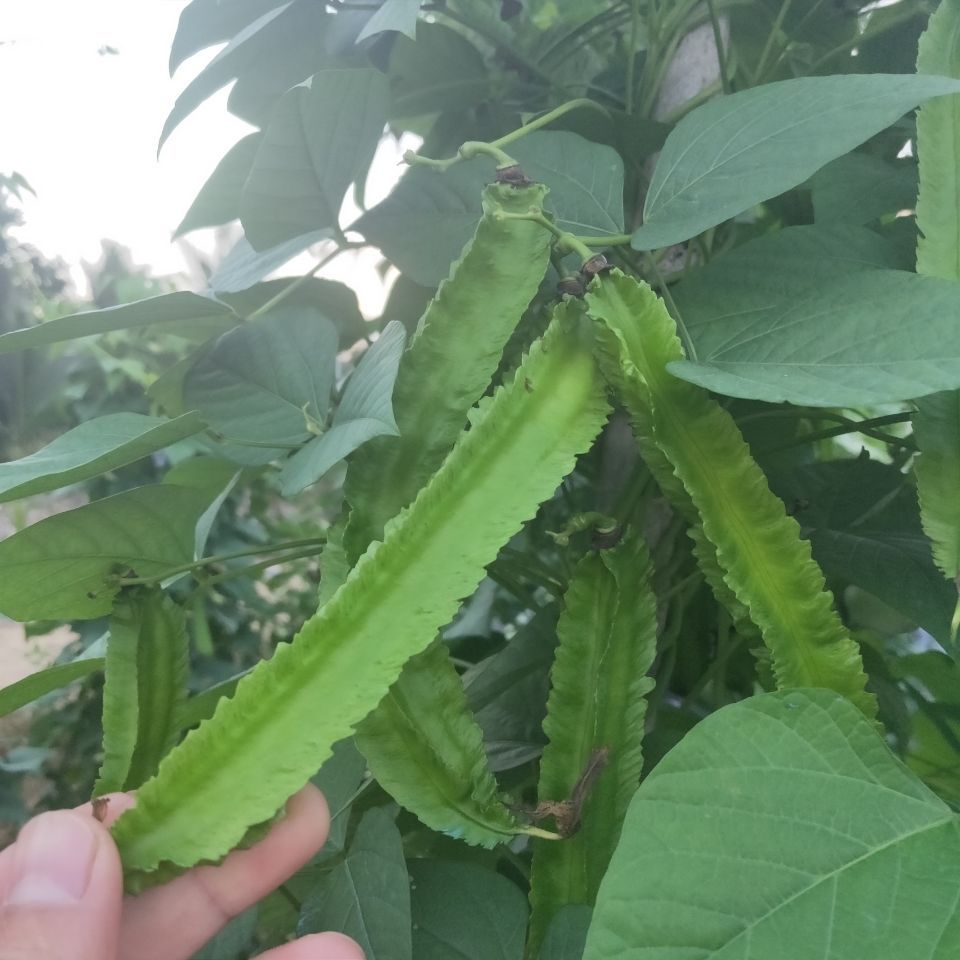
[(596, 265), (513, 176)]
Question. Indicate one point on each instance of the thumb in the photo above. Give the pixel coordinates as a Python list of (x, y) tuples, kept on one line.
[(60, 891)]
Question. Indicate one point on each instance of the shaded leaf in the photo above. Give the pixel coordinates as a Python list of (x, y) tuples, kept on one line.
[(367, 894), (188, 315), (736, 151), (259, 382), (94, 447), (243, 266), (818, 827), (863, 524), (399, 16), (320, 139), (364, 411), (219, 198), (62, 568), (19, 694), (244, 48), (462, 911), (508, 693), (860, 187), (339, 777), (567, 934), (206, 22)]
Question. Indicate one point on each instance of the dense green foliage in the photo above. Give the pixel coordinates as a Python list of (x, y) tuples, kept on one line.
[(634, 513)]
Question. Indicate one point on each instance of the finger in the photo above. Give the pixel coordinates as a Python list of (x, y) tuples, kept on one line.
[(60, 891), (319, 946), (173, 921)]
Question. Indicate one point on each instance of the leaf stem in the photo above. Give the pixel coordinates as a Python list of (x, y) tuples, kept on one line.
[(300, 281), (476, 148), (564, 240), (220, 558), (688, 348), (718, 41)]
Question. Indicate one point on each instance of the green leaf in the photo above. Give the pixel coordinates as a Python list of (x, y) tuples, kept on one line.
[(441, 70), (202, 705), (333, 299), (860, 187), (219, 198), (188, 314), (429, 215), (608, 639), (215, 479), (144, 689), (259, 382), (567, 934), (19, 694), (746, 524), (238, 768), (399, 16), (868, 338), (64, 567), (936, 427), (450, 361), (367, 895), (206, 22), (462, 911), (233, 940), (94, 447), (426, 751), (862, 521), (339, 778), (257, 38), (736, 151), (507, 693), (320, 139), (365, 411), (243, 266), (782, 826)]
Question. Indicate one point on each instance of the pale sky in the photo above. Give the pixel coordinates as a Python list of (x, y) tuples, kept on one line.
[(82, 127)]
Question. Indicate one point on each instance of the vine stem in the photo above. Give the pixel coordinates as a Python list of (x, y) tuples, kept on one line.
[(476, 148), (688, 348), (718, 41), (564, 240), (221, 558), (300, 281)]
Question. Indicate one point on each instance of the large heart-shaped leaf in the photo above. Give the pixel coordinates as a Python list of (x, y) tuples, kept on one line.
[(367, 895), (183, 313), (736, 151), (92, 448), (259, 383), (320, 139), (782, 827), (62, 568), (425, 222), (365, 411), (861, 334)]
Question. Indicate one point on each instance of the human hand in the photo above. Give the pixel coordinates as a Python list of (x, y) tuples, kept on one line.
[(61, 893)]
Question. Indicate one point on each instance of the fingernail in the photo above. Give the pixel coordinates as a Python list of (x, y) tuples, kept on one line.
[(53, 861)]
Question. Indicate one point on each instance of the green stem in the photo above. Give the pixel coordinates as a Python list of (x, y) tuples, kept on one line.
[(771, 37), (476, 148), (846, 426), (220, 558), (299, 282), (718, 41), (233, 573), (613, 240), (564, 240), (632, 54)]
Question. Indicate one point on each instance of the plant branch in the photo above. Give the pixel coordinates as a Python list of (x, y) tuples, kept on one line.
[(718, 42)]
